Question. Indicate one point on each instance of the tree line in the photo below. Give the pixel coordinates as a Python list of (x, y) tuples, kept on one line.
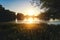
[(6, 15)]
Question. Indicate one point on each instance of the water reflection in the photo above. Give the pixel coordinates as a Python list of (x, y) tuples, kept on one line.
[(29, 20), (33, 23), (29, 23)]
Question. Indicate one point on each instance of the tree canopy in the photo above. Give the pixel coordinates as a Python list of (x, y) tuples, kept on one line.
[(53, 5), (6, 15)]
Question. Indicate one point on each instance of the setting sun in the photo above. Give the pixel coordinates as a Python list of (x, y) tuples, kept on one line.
[(32, 11)]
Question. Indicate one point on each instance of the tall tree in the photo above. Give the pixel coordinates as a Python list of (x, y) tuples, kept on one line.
[(53, 5)]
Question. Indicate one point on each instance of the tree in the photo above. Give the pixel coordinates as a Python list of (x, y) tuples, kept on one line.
[(43, 16), (20, 16), (53, 5), (6, 15), (1, 8)]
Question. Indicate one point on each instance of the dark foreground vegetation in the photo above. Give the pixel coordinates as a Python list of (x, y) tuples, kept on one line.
[(16, 32)]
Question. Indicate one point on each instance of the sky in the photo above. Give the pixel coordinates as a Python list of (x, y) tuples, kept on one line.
[(16, 5)]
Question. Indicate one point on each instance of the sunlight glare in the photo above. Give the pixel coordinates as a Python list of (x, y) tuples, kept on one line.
[(31, 11), (30, 20)]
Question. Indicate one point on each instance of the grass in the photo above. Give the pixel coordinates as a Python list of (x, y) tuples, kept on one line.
[(43, 31)]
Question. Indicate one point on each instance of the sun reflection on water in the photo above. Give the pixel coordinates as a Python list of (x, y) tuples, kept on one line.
[(29, 23), (30, 20)]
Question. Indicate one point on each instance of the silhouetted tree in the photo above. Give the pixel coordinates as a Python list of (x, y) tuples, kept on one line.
[(53, 5), (1, 8), (6, 15), (43, 16), (20, 16)]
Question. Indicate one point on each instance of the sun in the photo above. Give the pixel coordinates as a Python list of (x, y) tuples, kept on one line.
[(31, 12)]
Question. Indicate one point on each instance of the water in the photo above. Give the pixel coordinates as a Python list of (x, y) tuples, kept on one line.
[(56, 21), (39, 21), (33, 21)]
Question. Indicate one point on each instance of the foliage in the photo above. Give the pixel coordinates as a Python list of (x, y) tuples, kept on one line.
[(20, 16), (15, 32), (54, 7), (6, 15)]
